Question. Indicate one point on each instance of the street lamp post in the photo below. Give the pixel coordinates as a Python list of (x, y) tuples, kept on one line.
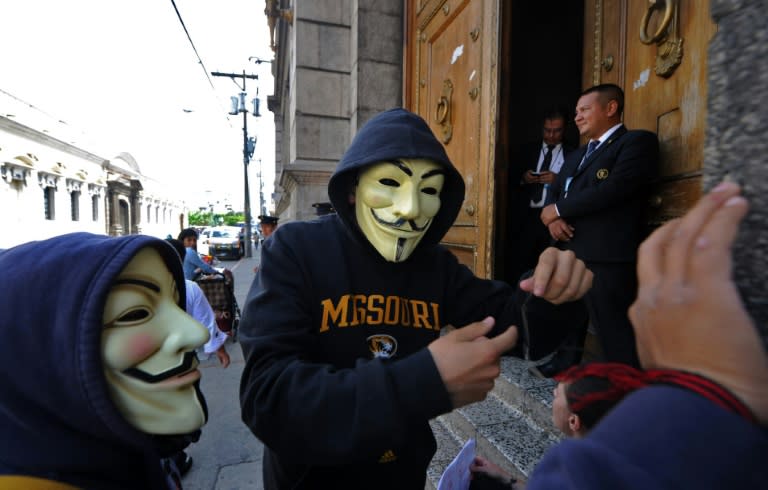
[(249, 144)]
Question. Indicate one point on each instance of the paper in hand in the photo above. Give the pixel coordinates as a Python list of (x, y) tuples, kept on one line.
[(456, 476)]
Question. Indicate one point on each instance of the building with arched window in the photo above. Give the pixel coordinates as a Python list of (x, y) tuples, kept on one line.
[(53, 183)]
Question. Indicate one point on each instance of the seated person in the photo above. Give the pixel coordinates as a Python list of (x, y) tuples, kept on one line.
[(101, 380), (583, 395), (193, 264)]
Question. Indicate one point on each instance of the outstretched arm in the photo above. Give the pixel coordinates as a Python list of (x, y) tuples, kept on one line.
[(687, 317), (193, 257), (688, 314)]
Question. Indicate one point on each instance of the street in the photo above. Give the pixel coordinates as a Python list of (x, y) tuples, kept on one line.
[(227, 456)]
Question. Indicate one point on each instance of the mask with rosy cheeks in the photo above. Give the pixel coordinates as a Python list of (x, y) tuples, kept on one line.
[(148, 345), (395, 202)]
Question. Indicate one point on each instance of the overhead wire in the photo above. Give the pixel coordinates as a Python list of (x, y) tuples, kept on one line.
[(199, 59)]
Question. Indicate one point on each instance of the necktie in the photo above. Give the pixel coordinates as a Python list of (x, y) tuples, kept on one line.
[(547, 159), (538, 190), (591, 146)]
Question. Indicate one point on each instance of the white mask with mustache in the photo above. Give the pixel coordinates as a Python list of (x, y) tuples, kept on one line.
[(395, 202), (148, 346)]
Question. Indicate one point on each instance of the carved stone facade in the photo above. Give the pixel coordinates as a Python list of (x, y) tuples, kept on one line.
[(337, 62), (50, 186)]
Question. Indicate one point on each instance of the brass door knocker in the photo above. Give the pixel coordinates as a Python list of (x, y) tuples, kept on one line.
[(443, 111), (670, 45)]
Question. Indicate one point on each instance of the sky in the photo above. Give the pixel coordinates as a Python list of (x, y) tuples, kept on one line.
[(124, 73)]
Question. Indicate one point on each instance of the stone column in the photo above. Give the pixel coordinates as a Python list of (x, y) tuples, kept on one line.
[(736, 146)]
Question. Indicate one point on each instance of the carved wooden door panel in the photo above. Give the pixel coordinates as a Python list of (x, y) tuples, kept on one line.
[(656, 50), (451, 82)]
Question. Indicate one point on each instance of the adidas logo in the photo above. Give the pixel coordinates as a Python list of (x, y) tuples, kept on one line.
[(387, 457)]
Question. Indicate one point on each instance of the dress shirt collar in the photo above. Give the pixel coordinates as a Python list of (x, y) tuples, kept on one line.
[(608, 134)]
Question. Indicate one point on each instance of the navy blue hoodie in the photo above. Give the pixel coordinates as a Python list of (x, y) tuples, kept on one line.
[(57, 420), (338, 382)]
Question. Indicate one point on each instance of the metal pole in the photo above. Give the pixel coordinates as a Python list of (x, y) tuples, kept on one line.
[(246, 158), (247, 204)]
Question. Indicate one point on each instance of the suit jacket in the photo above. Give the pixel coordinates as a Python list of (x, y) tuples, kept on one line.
[(608, 195), (529, 155)]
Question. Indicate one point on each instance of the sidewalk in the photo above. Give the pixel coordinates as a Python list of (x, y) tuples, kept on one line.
[(227, 456)]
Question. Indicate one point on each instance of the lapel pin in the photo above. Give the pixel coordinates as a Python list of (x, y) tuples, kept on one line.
[(602, 174)]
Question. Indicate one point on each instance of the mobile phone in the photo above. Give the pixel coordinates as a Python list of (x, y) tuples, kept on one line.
[(536, 173)]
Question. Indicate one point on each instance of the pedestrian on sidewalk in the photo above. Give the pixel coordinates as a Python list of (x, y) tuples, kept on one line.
[(267, 224), (197, 307)]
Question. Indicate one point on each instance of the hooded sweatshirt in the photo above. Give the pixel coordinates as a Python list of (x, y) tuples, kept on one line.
[(338, 382), (57, 420)]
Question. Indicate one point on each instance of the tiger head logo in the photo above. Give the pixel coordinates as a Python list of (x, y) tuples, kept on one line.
[(382, 346)]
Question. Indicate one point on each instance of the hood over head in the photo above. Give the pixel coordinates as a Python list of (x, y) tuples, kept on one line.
[(390, 135), (55, 405)]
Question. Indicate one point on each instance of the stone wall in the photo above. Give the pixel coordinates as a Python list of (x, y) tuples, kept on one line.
[(345, 59), (736, 146), (377, 59)]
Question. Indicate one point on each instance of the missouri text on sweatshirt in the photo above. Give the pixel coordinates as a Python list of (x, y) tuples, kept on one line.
[(338, 382)]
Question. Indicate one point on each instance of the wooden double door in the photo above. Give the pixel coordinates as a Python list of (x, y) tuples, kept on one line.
[(482, 73)]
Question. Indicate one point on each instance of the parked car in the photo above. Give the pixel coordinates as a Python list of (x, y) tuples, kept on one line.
[(204, 234), (224, 242)]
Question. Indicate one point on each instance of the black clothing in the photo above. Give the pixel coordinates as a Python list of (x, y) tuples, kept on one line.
[(338, 382), (57, 418), (528, 236), (604, 200)]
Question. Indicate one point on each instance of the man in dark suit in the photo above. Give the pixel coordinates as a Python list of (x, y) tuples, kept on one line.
[(598, 211), (540, 163)]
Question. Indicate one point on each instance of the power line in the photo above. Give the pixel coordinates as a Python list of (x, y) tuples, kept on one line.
[(178, 14), (199, 59)]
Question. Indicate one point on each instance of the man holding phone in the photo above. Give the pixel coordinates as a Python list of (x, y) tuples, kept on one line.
[(541, 161)]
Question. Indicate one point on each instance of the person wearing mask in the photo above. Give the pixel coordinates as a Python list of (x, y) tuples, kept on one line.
[(104, 382), (344, 361)]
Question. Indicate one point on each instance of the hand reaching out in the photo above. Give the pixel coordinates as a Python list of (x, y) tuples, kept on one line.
[(468, 361), (559, 277), (688, 314)]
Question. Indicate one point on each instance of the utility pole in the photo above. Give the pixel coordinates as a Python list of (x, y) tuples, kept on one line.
[(248, 148)]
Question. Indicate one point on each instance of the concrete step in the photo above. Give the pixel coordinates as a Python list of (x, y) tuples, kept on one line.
[(512, 426), (448, 446)]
